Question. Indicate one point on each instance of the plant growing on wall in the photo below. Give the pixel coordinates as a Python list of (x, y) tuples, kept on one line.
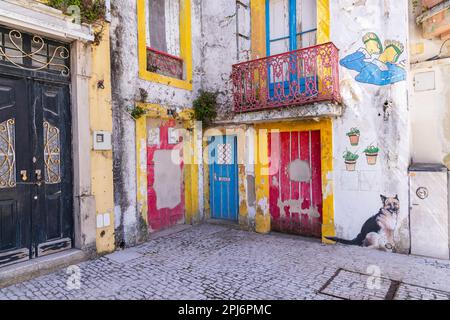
[(354, 134), (371, 154), (205, 107), (138, 112), (350, 160), (90, 10)]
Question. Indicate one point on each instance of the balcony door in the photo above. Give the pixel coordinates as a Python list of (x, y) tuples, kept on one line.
[(290, 25)]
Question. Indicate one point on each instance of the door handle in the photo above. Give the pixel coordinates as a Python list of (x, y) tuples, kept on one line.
[(38, 175), (23, 175)]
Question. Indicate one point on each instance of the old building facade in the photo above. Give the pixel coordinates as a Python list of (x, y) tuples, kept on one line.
[(314, 134), (56, 189), (321, 129)]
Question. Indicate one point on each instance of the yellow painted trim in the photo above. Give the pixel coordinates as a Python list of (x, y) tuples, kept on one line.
[(262, 218), (191, 174), (261, 170), (141, 167), (258, 28), (258, 25), (323, 21), (185, 47), (101, 167)]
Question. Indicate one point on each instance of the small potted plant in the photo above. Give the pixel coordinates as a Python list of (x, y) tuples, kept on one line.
[(350, 160), (371, 155), (354, 134)]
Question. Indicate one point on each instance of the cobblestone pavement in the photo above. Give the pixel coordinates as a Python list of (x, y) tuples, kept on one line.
[(217, 262)]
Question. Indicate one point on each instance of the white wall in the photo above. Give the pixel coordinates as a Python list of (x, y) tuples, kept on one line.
[(430, 116), (357, 194)]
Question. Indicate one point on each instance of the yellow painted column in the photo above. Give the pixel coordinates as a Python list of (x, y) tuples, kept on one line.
[(262, 219), (258, 28), (323, 21), (102, 161), (141, 167), (191, 175)]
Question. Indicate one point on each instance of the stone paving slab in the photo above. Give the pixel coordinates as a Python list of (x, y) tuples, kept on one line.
[(218, 262)]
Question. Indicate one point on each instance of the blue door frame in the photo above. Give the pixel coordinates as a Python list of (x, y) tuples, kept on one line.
[(223, 177)]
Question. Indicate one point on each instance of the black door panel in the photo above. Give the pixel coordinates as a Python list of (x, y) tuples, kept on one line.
[(35, 169), (15, 211)]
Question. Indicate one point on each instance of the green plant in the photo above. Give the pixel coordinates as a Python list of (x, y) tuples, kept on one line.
[(350, 156), (138, 112), (205, 107), (90, 10), (353, 132), (372, 149)]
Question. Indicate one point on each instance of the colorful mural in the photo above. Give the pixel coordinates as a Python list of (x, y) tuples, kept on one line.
[(378, 231), (372, 155), (350, 160), (353, 135), (376, 65)]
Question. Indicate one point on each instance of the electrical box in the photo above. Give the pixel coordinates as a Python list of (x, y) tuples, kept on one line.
[(429, 216), (425, 81), (102, 141)]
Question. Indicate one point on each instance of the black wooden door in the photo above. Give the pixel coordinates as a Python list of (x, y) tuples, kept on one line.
[(35, 168), (52, 170), (15, 158)]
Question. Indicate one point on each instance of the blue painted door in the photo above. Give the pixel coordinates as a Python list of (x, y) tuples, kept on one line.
[(223, 176)]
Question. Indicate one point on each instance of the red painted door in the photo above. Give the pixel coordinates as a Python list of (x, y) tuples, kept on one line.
[(165, 176), (295, 195)]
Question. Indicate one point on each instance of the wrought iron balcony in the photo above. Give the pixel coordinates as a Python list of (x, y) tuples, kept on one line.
[(294, 78)]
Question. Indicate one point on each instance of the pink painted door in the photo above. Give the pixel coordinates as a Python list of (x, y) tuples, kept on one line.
[(295, 194), (165, 177)]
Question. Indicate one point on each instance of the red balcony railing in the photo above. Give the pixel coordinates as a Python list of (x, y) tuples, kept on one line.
[(293, 78)]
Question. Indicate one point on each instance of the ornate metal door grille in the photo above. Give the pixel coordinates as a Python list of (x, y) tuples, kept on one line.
[(7, 154), (33, 53)]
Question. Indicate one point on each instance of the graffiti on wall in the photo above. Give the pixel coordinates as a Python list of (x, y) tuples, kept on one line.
[(377, 64), (378, 231)]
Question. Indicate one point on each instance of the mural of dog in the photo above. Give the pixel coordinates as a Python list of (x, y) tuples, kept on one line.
[(378, 231)]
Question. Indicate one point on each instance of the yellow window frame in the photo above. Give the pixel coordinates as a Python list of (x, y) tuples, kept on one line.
[(185, 47)]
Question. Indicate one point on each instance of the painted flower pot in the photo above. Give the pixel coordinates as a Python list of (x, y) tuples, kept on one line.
[(371, 158), (354, 140), (351, 165)]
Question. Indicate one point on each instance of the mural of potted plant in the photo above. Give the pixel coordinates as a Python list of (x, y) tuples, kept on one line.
[(354, 134), (371, 155), (350, 160)]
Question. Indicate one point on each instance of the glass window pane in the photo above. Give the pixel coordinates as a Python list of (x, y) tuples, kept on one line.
[(157, 25), (306, 21), (279, 19), (173, 27)]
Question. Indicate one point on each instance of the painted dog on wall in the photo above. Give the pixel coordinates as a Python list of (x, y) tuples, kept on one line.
[(378, 231)]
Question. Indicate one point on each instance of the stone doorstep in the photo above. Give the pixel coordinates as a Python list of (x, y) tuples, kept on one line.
[(33, 268)]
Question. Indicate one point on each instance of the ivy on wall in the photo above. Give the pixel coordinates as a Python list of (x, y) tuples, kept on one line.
[(90, 10)]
